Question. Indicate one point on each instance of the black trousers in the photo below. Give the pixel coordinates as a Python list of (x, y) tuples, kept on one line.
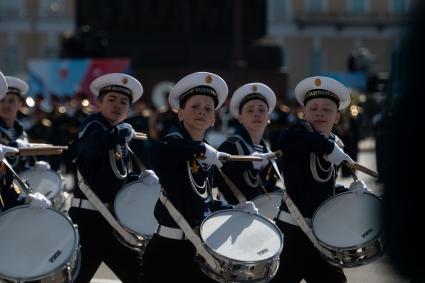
[(168, 260), (98, 244), (301, 260)]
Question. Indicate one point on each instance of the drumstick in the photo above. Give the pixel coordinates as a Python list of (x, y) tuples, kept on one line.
[(140, 136), (39, 144), (241, 158), (361, 168), (46, 150)]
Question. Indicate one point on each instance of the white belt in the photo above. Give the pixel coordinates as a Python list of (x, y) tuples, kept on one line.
[(287, 217), (171, 233), (83, 203)]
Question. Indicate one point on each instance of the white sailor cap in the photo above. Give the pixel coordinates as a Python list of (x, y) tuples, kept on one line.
[(3, 86), (322, 87), (16, 86), (117, 82), (249, 92), (199, 83)]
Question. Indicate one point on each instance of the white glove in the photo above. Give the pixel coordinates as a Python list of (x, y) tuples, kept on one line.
[(212, 156), (259, 165), (5, 149), (22, 144), (338, 155), (358, 187), (42, 165), (247, 206), (149, 177), (38, 200)]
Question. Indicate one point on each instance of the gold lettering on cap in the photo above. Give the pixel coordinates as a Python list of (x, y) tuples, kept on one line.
[(317, 82), (208, 79), (254, 88), (124, 80)]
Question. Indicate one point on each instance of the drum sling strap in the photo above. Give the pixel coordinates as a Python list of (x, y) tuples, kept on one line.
[(188, 231), (98, 204), (236, 192), (298, 217)]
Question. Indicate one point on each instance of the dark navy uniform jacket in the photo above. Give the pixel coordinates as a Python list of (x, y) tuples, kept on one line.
[(95, 140), (19, 163), (248, 180), (309, 178), (9, 196), (189, 191)]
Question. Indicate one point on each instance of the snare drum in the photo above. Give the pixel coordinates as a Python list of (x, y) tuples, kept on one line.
[(39, 245), (247, 246), (47, 182), (134, 206), (268, 204), (349, 226)]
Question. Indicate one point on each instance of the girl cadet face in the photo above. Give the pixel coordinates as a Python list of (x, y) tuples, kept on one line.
[(254, 115), (198, 113), (9, 106), (114, 107), (322, 114)]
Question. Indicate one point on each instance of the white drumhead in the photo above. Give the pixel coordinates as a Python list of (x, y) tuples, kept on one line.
[(348, 220), (35, 242), (47, 182), (268, 204), (134, 206), (241, 236)]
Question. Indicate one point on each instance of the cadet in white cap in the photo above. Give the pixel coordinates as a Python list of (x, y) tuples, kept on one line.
[(10, 195), (309, 166), (12, 132), (185, 164), (104, 162), (252, 105)]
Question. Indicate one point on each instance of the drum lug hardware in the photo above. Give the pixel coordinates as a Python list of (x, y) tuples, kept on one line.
[(225, 270)]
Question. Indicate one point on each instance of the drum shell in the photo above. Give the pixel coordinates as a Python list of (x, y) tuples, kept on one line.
[(351, 255), (232, 270), (65, 272)]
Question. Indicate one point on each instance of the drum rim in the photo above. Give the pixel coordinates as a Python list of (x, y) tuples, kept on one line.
[(76, 246), (327, 246), (271, 258)]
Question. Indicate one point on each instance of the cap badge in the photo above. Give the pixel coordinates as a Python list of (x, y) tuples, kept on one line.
[(208, 79), (317, 82), (124, 80), (254, 88)]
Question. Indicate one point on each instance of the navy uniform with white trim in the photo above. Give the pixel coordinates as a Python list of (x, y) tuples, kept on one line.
[(310, 157), (104, 162), (252, 105), (186, 180), (12, 132)]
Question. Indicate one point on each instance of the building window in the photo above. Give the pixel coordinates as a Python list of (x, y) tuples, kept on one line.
[(278, 10), (399, 6), (52, 8), (51, 52), (11, 60), (11, 8), (358, 6), (316, 61), (315, 6)]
